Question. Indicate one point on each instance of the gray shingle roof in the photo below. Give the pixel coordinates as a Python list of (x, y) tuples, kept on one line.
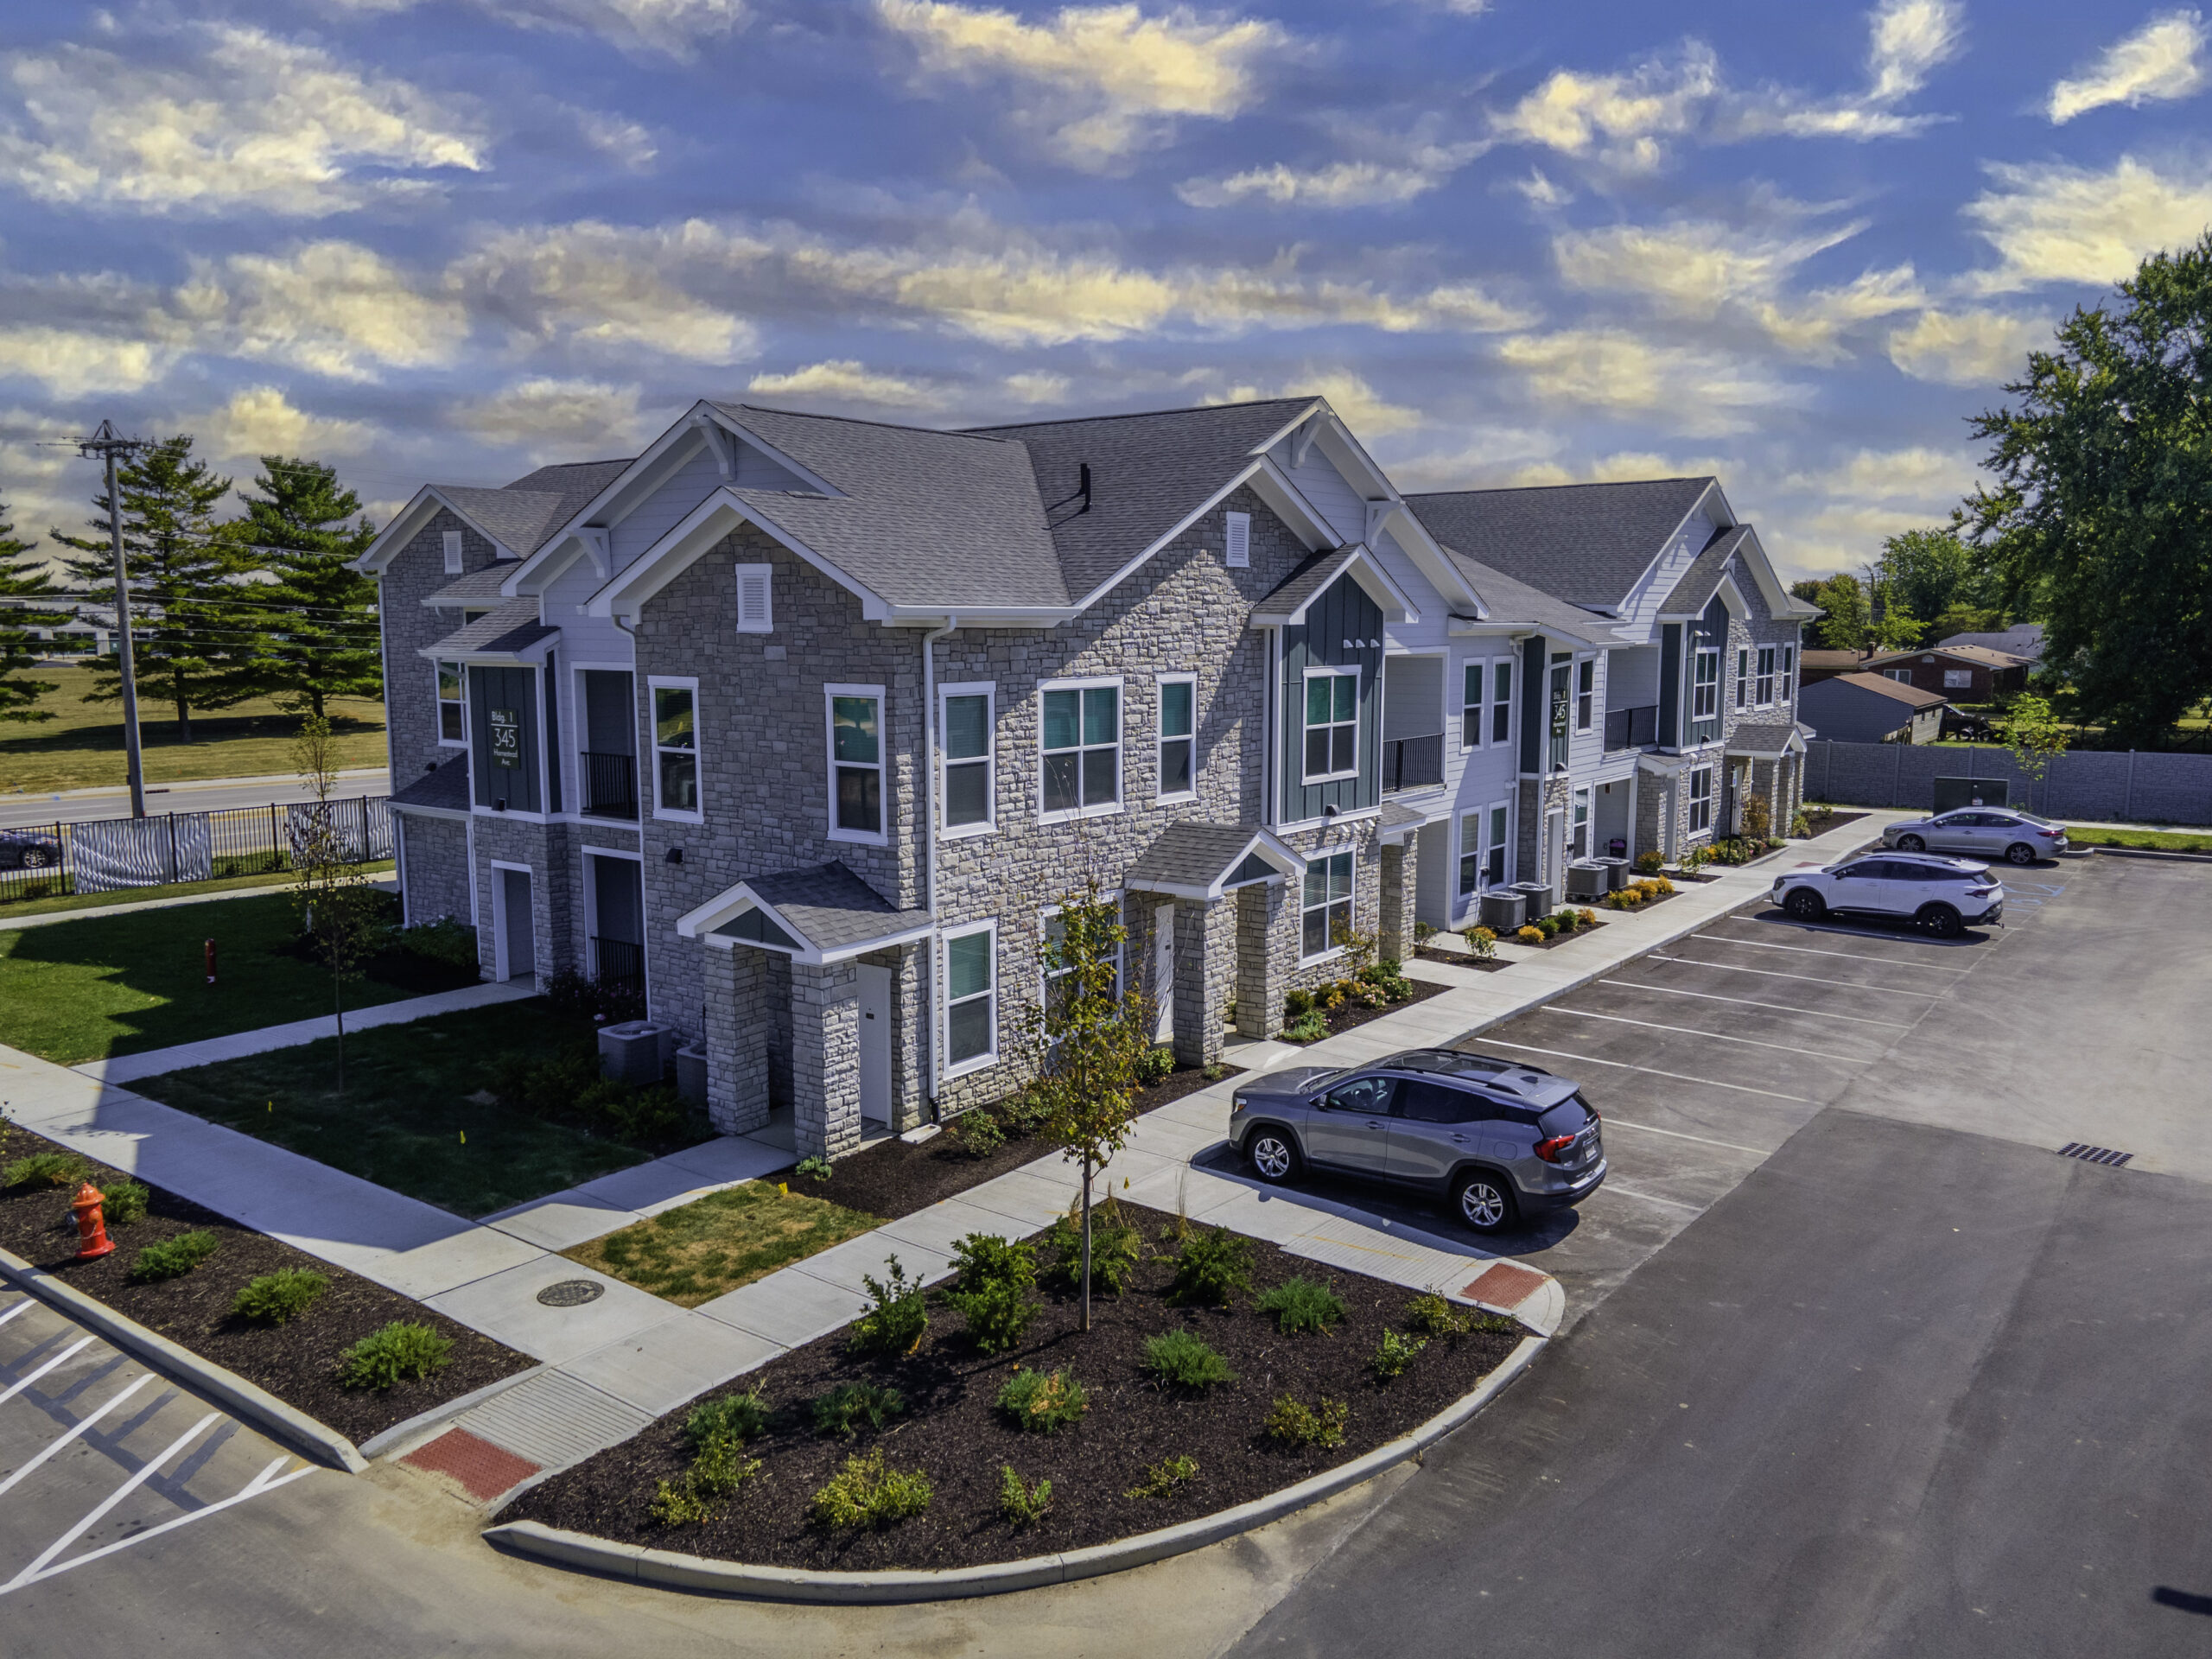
[(1317, 571), (479, 584), (445, 789), (1702, 580), (581, 479), (1585, 542), (832, 909), (1509, 600), (2023, 640), (1147, 472), (1192, 858), (513, 628), (1762, 737), (519, 520)]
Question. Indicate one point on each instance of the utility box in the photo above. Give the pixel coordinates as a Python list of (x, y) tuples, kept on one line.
[(1951, 793), (691, 1073), (1503, 910), (1585, 878), (636, 1051)]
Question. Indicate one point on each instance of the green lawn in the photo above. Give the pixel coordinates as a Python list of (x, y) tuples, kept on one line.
[(417, 1115), (112, 985), (15, 910), (2162, 841), (698, 1251)]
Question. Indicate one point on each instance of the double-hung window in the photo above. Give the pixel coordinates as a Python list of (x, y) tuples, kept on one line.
[(1179, 742), (1482, 850), (1586, 693), (1705, 682), (971, 997), (1743, 678), (1701, 800), (453, 710), (1766, 676), (1332, 724), (675, 748), (1579, 842), (1501, 702), (855, 716), (1082, 741), (1788, 670), (1050, 977), (1327, 910), (970, 794), (1470, 705)]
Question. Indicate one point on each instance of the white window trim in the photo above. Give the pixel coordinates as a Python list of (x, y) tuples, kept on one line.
[(1786, 677), (1107, 896), (1744, 660), (1064, 815), (1580, 724), (1772, 656), (987, 689), (1710, 801), (452, 552), (651, 747), (1352, 899), (1696, 653), (445, 742), (967, 930), (1333, 671), (1480, 706), (830, 763), (767, 575), (1491, 740), (1161, 740)]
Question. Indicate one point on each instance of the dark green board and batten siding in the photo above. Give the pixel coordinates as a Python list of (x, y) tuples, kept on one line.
[(1342, 613), (513, 789)]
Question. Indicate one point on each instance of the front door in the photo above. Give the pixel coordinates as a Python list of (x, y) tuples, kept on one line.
[(1163, 971), (1351, 1128), (875, 1043), (517, 938)]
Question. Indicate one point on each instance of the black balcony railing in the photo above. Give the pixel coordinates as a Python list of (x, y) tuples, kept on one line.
[(619, 962), (1413, 762), (1632, 728), (610, 785)]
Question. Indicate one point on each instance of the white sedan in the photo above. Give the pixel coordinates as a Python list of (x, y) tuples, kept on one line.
[(1942, 895)]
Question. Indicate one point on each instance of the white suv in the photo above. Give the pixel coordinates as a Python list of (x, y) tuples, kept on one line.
[(1942, 895)]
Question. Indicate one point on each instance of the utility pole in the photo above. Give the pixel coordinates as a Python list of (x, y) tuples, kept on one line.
[(107, 444)]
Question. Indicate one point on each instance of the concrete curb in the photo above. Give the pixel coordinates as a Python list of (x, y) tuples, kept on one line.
[(227, 1388), (675, 1570), (2159, 853), (425, 1426)]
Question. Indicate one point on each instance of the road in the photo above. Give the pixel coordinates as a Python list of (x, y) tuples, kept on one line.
[(208, 795)]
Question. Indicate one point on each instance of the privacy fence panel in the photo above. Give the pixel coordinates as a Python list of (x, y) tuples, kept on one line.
[(2131, 787), (112, 853)]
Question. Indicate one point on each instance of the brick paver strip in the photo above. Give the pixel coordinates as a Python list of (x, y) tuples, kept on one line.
[(483, 1469), (1504, 1286)]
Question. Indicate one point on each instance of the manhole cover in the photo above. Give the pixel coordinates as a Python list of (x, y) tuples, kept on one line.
[(571, 1293)]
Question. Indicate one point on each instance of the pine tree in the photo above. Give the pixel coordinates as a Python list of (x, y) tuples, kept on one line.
[(22, 577), (320, 639), (194, 643)]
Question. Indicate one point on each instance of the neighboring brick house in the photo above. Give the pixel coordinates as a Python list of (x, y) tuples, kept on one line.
[(1957, 673), (1872, 708)]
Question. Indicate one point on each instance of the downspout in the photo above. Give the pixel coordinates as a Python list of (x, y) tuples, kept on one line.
[(929, 849)]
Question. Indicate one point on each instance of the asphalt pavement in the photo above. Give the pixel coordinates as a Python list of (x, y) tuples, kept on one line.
[(206, 795)]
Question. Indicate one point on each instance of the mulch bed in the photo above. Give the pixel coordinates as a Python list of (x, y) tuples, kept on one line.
[(952, 1431), (1350, 1016), (1560, 939), (1461, 959), (895, 1177), (1822, 825), (298, 1362)]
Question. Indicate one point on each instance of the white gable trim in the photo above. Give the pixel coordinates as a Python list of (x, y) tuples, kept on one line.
[(1364, 569), (1278, 855), (726, 907)]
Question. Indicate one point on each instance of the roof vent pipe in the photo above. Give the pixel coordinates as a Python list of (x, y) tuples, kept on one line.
[(1084, 482)]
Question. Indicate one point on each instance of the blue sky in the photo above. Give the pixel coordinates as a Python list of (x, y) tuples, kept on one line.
[(1513, 241)]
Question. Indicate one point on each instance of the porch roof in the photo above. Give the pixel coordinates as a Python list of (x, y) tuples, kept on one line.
[(511, 634), (818, 913), (1204, 861), (1767, 740), (443, 790)]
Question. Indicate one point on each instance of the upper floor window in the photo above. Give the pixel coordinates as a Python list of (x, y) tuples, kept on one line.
[(1178, 700), (1470, 705), (1705, 682), (856, 762), (453, 713), (676, 747), (1327, 912), (1788, 670), (1080, 739), (1501, 702), (1332, 724), (1765, 693), (1743, 678), (755, 600), (452, 552), (968, 791), (1586, 693)]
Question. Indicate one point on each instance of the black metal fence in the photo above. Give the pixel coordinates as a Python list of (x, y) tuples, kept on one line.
[(1413, 762), (619, 962), (1632, 728), (180, 848), (610, 785)]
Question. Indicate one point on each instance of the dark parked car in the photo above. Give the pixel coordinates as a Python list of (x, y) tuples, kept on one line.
[(28, 849), (1500, 1141)]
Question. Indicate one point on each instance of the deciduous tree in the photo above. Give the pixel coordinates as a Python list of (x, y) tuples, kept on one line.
[(1849, 621)]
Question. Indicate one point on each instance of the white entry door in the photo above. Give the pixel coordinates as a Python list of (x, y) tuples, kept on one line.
[(1163, 970), (875, 1043)]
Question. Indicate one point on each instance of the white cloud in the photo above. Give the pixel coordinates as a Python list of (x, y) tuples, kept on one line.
[(1419, 169), (845, 380), (1364, 410), (552, 419), (608, 287), (252, 122), (1619, 119), (1035, 387), (1908, 40), (2160, 60), (1686, 389), (2052, 223), (1101, 82), (1968, 348), (1541, 191), (1916, 474), (261, 421), (1836, 516), (674, 27), (72, 362), (333, 307)]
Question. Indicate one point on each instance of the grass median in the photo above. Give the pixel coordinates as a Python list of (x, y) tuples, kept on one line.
[(2158, 841), (700, 1251)]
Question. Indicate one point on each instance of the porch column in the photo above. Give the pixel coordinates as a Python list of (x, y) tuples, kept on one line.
[(825, 1058), (909, 1030), (737, 1039), (1205, 949), (1393, 933), (1261, 979)]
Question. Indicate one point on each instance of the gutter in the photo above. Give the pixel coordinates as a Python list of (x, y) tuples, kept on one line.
[(929, 846)]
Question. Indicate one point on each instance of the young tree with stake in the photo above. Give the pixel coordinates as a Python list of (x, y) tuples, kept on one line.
[(337, 908)]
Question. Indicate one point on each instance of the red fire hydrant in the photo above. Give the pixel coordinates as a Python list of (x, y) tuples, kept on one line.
[(211, 962), (92, 1226)]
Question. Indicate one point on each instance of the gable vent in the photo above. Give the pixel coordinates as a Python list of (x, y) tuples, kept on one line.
[(753, 601), (1237, 554)]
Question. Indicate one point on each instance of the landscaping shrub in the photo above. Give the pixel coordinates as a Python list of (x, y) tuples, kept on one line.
[(1022, 1505), (1588, 917), (1215, 1072), (398, 1353), (899, 1314), (280, 1297), (1157, 1065), (1394, 1354), (1758, 819), (446, 942), (1294, 1423), (868, 1493), (46, 1169), (847, 1406), (1801, 827), (992, 1291), (124, 1201), (1311, 1027), (1044, 1402), (1115, 1250), (817, 1167), (1481, 942), (1165, 1476), (650, 1114), (1529, 935), (1297, 1006), (173, 1258), (601, 1001), (1182, 1360), (1432, 1316), (1302, 1303), (1650, 863), (1211, 1266), (978, 1134), (717, 1430), (727, 1416)]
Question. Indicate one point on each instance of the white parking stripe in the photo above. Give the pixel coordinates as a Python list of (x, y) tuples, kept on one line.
[(254, 1488), (1653, 1198), (145, 1473), (81, 1426), (1746, 1002), (1692, 1031), (1611, 1121), (20, 1307), (1809, 951), (1702, 1083), (1810, 979), (15, 1388)]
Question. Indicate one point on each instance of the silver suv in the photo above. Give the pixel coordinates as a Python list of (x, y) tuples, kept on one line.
[(1991, 832), (1500, 1140)]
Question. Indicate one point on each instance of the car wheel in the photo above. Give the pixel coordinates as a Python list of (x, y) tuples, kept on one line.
[(2019, 853), (1941, 920), (36, 858), (1271, 1154), (1911, 844), (1484, 1202), (1805, 905)]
